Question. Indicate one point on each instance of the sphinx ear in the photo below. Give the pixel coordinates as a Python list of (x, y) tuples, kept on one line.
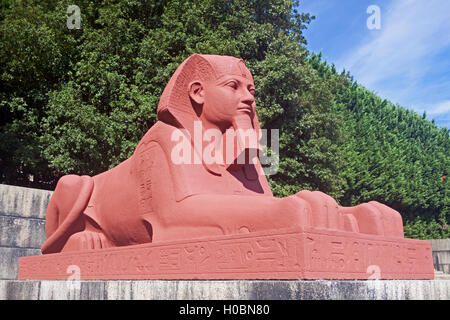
[(197, 92)]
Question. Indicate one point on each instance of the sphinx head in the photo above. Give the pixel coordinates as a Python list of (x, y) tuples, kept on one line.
[(218, 90)]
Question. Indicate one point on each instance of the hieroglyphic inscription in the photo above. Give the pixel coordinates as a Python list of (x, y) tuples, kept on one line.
[(170, 259), (337, 253), (197, 257), (145, 179), (307, 255), (270, 253)]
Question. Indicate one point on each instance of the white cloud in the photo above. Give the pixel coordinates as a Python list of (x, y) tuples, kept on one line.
[(412, 32), (440, 108)]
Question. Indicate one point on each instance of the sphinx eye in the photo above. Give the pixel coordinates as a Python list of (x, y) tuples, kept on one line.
[(233, 84), (252, 91)]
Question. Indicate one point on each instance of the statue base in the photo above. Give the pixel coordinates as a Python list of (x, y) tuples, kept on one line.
[(279, 254)]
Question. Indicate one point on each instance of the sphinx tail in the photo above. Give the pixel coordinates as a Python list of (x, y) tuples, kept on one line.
[(66, 205)]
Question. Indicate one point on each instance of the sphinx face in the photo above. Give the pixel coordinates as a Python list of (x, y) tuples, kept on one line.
[(228, 98)]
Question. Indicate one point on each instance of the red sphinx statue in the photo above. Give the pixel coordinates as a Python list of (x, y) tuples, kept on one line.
[(167, 192)]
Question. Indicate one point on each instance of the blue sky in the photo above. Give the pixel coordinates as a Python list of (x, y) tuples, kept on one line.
[(406, 61)]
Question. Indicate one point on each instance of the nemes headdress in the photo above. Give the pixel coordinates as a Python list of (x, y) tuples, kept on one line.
[(175, 106)]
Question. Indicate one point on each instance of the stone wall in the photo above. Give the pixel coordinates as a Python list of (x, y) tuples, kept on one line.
[(441, 254), (22, 225)]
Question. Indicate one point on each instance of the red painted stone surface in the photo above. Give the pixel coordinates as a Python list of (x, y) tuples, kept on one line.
[(169, 212), (278, 254)]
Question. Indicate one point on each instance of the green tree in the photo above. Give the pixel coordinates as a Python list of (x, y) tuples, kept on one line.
[(101, 95), (394, 156)]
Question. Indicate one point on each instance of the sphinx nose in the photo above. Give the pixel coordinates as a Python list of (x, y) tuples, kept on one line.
[(248, 98)]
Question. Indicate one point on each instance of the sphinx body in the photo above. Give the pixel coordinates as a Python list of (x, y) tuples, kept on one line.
[(151, 198)]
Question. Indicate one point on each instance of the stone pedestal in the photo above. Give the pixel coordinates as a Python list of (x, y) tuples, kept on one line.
[(281, 254)]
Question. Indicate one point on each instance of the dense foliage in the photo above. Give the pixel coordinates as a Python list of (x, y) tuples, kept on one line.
[(394, 156), (79, 100)]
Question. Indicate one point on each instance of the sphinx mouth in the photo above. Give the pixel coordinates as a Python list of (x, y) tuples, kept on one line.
[(246, 109)]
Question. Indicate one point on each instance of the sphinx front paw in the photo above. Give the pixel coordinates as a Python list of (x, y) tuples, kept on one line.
[(392, 222), (325, 212), (86, 240), (375, 218)]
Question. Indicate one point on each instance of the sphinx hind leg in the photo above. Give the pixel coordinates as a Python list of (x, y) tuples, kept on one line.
[(63, 216), (92, 237)]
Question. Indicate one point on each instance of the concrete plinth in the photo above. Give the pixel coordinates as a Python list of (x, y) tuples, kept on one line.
[(227, 290), (441, 254)]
